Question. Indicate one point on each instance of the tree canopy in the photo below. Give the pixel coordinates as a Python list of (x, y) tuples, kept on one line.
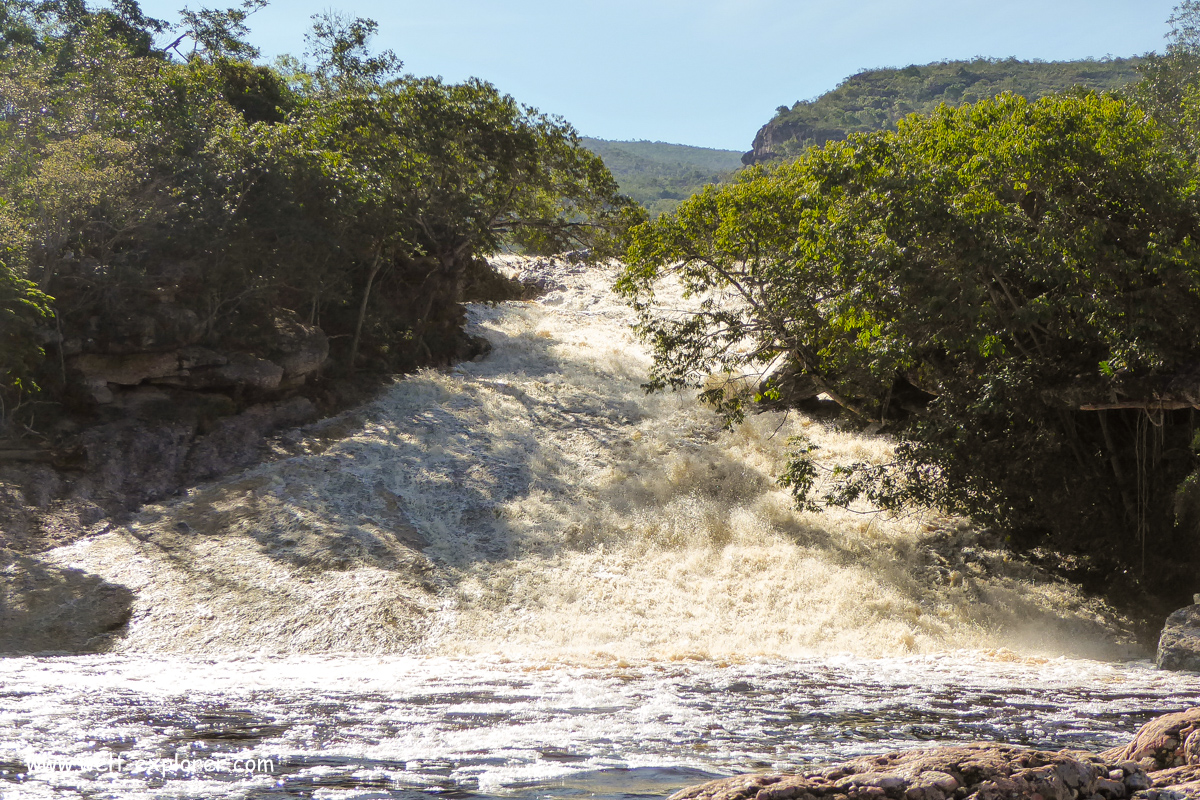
[(878, 99), (145, 161), (1012, 287)]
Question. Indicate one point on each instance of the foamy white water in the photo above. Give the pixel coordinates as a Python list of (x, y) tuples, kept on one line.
[(404, 727), (537, 504), (523, 577)]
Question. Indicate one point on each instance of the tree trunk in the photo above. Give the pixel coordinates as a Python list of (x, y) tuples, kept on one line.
[(362, 306)]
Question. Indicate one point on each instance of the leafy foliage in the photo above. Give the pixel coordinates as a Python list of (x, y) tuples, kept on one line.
[(878, 99), (1170, 88), (22, 309), (343, 192), (981, 279)]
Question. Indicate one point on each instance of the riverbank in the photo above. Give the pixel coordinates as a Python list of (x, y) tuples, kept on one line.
[(1162, 761)]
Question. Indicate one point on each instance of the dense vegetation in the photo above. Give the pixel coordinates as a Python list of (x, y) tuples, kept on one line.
[(1011, 287), (659, 175), (878, 99), (153, 197)]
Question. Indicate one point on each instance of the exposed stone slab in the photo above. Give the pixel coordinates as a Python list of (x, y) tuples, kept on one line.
[(1162, 762)]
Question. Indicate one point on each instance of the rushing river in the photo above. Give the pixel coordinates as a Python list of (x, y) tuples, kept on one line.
[(551, 585), (337, 727)]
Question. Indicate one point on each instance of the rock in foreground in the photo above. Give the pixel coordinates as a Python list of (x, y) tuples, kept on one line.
[(1162, 762), (1179, 643)]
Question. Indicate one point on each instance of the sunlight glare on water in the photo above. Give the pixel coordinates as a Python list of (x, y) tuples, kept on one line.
[(524, 577), (394, 727)]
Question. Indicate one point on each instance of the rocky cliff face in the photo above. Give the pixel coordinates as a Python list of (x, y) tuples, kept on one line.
[(149, 411), (771, 138)]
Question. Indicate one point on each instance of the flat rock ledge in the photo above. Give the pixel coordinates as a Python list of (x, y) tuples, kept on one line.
[(1161, 763)]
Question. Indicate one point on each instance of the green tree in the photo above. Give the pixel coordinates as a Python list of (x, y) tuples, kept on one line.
[(415, 179), (1170, 85), (22, 309), (1010, 286), (243, 196)]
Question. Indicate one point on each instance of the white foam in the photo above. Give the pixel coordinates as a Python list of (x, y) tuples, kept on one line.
[(538, 504)]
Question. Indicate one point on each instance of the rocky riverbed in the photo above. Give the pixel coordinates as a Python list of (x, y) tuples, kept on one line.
[(1162, 761)]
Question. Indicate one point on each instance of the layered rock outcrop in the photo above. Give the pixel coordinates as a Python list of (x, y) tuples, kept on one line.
[(152, 404), (1161, 763), (296, 351), (162, 441)]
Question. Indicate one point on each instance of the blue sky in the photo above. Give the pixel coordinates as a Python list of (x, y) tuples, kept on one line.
[(705, 72)]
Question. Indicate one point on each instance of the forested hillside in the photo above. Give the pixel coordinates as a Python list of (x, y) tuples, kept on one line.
[(660, 175), (877, 99)]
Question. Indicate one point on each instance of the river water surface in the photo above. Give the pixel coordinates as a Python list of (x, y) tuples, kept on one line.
[(338, 727)]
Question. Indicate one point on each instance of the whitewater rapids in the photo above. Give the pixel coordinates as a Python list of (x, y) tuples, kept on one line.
[(538, 504)]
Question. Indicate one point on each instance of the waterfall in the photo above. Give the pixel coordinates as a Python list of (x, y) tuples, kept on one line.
[(537, 503)]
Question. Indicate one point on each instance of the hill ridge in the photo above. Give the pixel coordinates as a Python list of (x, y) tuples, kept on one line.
[(875, 99)]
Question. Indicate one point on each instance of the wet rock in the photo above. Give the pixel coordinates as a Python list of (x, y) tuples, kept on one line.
[(1179, 643), (1157, 743), (1158, 764), (44, 608), (1137, 782), (992, 772), (984, 771)]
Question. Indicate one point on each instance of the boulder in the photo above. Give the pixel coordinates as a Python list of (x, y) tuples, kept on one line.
[(247, 370), (299, 349), (237, 370), (1164, 740), (1179, 643), (985, 771), (97, 370), (1161, 763)]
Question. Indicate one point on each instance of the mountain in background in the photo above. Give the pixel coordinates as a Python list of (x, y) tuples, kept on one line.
[(660, 175), (877, 99)]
